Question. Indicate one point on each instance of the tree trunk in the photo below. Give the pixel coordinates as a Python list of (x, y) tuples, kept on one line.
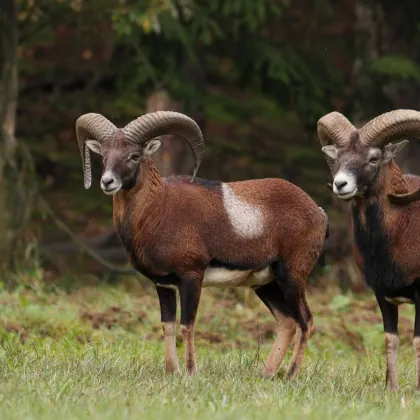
[(175, 155), (160, 101), (12, 204)]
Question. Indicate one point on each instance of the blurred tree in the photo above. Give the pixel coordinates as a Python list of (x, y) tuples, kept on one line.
[(256, 75), (11, 200)]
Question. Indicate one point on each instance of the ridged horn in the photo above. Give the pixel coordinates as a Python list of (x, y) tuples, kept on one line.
[(336, 128), (96, 127), (159, 123), (391, 126)]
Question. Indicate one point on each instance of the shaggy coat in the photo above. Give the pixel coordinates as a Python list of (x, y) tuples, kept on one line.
[(385, 212)]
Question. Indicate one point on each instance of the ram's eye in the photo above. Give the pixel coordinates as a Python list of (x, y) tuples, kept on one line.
[(373, 160), (134, 158)]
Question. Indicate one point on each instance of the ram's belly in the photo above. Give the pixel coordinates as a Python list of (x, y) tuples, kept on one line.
[(223, 277), (399, 300)]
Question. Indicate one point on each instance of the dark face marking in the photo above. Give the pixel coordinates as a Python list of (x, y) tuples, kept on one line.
[(121, 165), (382, 274), (121, 161), (357, 171), (356, 167)]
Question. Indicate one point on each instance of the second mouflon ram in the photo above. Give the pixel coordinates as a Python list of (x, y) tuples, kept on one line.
[(185, 233), (386, 213)]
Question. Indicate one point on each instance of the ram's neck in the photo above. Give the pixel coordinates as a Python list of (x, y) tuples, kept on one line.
[(390, 181), (143, 201)]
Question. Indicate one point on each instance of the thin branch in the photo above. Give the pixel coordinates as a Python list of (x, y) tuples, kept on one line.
[(46, 208), (61, 225)]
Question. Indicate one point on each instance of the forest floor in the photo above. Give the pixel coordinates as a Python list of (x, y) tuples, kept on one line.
[(96, 352)]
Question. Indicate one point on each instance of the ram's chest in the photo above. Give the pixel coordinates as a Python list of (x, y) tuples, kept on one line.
[(381, 272), (125, 232)]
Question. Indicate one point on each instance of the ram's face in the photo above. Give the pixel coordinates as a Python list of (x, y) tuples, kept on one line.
[(121, 163), (357, 167)]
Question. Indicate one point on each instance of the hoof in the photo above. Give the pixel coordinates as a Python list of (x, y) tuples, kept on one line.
[(267, 374), (172, 370), (192, 372)]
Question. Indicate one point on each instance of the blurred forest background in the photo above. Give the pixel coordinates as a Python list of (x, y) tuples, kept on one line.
[(255, 74)]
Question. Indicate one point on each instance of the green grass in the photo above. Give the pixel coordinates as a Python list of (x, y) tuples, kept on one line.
[(97, 353)]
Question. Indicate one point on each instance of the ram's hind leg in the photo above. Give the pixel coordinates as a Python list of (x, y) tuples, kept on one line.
[(292, 285), (292, 280), (301, 340), (272, 296)]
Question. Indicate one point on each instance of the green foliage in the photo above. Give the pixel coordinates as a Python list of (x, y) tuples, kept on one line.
[(340, 303), (395, 67), (238, 33)]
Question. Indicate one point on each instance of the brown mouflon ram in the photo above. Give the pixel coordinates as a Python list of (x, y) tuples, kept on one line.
[(185, 233), (385, 211)]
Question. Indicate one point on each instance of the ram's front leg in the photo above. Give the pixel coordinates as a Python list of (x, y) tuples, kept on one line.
[(189, 292), (167, 300), (390, 319)]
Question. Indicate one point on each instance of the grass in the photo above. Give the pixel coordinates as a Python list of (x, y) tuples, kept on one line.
[(97, 353)]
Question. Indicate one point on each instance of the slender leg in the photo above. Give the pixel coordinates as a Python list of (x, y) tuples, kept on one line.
[(302, 336), (273, 298), (292, 284), (390, 319), (167, 300), (190, 292), (416, 340)]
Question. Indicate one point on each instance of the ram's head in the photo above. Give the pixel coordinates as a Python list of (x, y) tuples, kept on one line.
[(123, 150), (357, 157)]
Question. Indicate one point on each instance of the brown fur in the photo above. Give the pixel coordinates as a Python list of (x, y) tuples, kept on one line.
[(400, 223), (161, 215), (387, 240), (173, 229)]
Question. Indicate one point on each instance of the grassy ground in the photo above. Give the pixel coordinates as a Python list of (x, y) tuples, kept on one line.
[(97, 353)]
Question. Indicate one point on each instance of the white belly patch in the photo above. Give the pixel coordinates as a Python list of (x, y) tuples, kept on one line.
[(398, 300), (246, 219), (222, 277)]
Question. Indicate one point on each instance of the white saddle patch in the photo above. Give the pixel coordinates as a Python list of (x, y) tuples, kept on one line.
[(398, 300), (223, 277), (246, 219)]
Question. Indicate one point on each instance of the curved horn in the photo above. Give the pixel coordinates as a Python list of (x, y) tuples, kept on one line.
[(335, 127), (155, 124), (390, 126), (92, 126), (407, 198)]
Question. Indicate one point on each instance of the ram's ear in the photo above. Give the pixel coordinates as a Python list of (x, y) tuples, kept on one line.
[(390, 150), (95, 146), (151, 146), (330, 151)]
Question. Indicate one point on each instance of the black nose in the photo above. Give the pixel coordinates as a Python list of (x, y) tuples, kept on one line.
[(340, 184), (107, 181)]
